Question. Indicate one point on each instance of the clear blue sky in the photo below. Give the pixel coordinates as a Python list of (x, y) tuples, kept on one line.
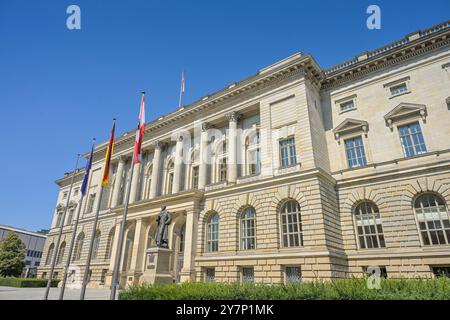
[(59, 88)]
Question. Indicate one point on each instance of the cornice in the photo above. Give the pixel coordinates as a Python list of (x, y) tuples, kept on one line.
[(413, 45)]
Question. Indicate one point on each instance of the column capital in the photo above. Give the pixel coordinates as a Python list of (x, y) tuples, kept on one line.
[(158, 144), (122, 158), (233, 116), (206, 126)]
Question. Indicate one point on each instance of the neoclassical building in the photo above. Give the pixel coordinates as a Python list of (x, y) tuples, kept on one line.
[(294, 173)]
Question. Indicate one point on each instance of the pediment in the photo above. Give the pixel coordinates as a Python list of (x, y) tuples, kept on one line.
[(350, 125), (405, 110)]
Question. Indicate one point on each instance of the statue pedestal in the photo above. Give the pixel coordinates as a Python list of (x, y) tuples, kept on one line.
[(157, 266)]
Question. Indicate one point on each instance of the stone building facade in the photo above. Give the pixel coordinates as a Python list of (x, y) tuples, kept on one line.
[(295, 173)]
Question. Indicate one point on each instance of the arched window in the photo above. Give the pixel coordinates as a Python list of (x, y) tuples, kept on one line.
[(248, 229), (433, 219), (78, 247), (212, 233), (109, 243), (50, 252), (96, 244), (62, 249), (291, 224), (368, 225)]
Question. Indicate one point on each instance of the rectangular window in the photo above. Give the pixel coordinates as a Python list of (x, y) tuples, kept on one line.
[(75, 193), (195, 172), (412, 139), (248, 275), (293, 275), (354, 149), (287, 152), (380, 271), (210, 275), (65, 194), (254, 157), (70, 217), (441, 271), (347, 105), (103, 276), (398, 89), (170, 183), (90, 205), (223, 170)]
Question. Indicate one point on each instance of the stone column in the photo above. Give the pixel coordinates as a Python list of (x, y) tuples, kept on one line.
[(188, 271), (112, 258), (135, 182), (155, 169), (203, 169), (233, 118), (118, 182), (178, 165), (138, 253)]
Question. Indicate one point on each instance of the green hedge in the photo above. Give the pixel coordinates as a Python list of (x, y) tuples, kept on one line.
[(345, 289), (26, 282)]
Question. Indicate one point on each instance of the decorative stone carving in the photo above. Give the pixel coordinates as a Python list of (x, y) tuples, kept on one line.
[(233, 116), (405, 110)]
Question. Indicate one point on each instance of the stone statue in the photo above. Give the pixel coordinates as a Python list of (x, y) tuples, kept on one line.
[(162, 232)]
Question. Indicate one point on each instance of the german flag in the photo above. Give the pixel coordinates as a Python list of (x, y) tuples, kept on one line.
[(109, 152)]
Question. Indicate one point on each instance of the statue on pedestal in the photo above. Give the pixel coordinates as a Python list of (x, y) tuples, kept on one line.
[(162, 233)]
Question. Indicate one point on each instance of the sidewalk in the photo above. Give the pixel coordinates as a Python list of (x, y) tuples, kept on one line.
[(11, 293)]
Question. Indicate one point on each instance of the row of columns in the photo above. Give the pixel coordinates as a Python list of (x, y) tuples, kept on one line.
[(233, 118)]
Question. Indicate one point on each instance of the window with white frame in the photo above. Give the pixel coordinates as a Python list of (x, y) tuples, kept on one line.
[(62, 249), (65, 194), (253, 154), (248, 229), (412, 140), (96, 245), (90, 204), (50, 252), (223, 169), (368, 225), (78, 247), (291, 225), (195, 175), (109, 243), (347, 105), (398, 89), (433, 219), (212, 233), (354, 149), (287, 152), (293, 274), (70, 217), (59, 219)]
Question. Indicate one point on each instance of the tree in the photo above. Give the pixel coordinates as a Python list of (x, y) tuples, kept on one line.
[(12, 254)]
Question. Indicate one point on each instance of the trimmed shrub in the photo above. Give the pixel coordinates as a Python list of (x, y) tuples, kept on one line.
[(26, 282), (345, 289)]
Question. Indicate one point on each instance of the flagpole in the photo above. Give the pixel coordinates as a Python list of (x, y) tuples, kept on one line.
[(72, 242), (91, 244), (55, 253), (181, 90), (106, 170), (114, 281)]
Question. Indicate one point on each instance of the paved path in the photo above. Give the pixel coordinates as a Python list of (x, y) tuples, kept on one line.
[(11, 293)]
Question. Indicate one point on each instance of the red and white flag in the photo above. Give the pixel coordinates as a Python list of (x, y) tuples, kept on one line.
[(140, 132)]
